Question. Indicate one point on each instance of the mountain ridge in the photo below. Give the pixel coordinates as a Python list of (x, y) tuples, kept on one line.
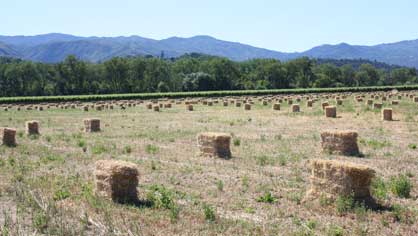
[(54, 47)]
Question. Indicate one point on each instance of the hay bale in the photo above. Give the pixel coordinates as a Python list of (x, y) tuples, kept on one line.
[(32, 127), (331, 178), (377, 105), (340, 142), (8, 137), (238, 104), (265, 103), (156, 108), (324, 104), (387, 114), (339, 102), (91, 125), (116, 180), (189, 107), (295, 108), (276, 106), (247, 106), (149, 105), (214, 144), (289, 102), (85, 108), (225, 103), (309, 103), (210, 103), (331, 111), (369, 102), (395, 102), (167, 105)]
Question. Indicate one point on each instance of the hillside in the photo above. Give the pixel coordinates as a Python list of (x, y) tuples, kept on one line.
[(55, 47)]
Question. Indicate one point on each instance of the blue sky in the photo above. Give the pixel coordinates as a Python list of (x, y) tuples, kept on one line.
[(279, 25)]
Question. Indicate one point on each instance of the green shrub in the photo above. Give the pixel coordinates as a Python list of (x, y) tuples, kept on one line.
[(237, 142), (401, 186), (61, 194), (81, 143), (160, 197), (412, 146), (151, 149), (267, 197), (209, 211), (379, 189)]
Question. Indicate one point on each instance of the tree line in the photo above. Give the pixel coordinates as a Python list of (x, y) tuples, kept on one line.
[(192, 72)]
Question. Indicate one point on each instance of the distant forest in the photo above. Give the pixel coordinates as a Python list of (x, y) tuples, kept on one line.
[(191, 72)]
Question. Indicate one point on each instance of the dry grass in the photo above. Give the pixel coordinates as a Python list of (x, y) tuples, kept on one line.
[(47, 184)]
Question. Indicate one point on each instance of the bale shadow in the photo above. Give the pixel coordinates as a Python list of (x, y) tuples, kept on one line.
[(136, 202), (373, 205)]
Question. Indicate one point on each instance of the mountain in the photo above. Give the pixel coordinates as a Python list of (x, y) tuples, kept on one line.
[(403, 53), (7, 50), (21, 40), (211, 46), (55, 47)]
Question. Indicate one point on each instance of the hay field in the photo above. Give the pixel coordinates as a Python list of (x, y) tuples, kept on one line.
[(47, 181)]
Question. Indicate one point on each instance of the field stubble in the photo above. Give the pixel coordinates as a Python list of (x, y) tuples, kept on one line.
[(47, 180)]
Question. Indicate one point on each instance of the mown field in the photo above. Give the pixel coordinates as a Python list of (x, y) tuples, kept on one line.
[(47, 181)]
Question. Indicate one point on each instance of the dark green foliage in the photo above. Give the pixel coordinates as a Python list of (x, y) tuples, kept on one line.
[(237, 142), (151, 149), (412, 146), (401, 186), (148, 77), (209, 211), (267, 197), (61, 194), (163, 198), (379, 189)]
